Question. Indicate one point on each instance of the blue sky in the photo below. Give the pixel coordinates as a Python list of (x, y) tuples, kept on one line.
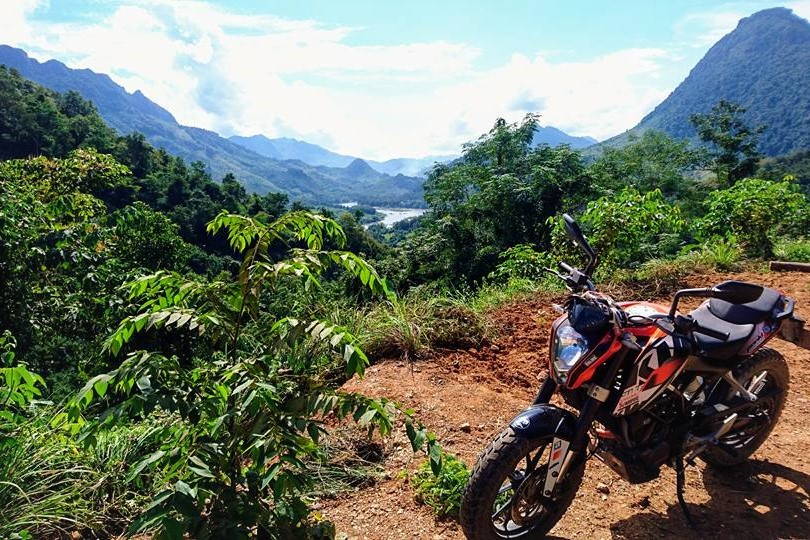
[(384, 79)]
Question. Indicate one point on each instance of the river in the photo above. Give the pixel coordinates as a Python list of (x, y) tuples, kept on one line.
[(392, 215)]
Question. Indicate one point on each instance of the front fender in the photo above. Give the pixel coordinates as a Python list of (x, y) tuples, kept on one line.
[(544, 420)]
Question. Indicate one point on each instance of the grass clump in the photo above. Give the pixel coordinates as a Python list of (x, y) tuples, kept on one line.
[(442, 492), (661, 276), (424, 319), (794, 250), (349, 460)]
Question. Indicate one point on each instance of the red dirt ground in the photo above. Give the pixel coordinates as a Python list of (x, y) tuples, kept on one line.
[(466, 397)]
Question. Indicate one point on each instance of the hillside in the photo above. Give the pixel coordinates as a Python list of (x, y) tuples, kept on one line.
[(127, 112), (466, 397), (763, 66)]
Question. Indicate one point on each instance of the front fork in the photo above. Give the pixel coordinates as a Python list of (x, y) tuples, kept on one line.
[(565, 450)]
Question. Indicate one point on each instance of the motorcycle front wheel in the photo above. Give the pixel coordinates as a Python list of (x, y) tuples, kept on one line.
[(503, 498)]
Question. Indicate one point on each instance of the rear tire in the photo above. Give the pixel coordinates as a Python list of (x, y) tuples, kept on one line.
[(499, 460), (772, 362)]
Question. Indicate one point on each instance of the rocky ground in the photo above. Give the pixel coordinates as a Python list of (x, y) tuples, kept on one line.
[(466, 397)]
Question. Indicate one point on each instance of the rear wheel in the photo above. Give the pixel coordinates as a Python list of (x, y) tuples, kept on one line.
[(503, 498), (763, 373)]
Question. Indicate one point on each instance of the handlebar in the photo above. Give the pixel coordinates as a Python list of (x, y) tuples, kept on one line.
[(574, 279), (684, 326), (565, 267)]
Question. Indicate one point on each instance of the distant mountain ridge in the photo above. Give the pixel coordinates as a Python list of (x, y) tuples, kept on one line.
[(764, 65), (286, 148), (135, 112), (553, 137)]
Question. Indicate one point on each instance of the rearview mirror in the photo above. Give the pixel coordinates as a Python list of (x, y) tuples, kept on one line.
[(575, 234), (736, 292)]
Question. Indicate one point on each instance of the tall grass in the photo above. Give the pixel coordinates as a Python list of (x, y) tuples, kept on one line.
[(45, 489), (51, 485), (424, 319)]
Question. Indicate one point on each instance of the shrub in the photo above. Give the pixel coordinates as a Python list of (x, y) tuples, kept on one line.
[(627, 229), (443, 491), (522, 261), (755, 211), (18, 386)]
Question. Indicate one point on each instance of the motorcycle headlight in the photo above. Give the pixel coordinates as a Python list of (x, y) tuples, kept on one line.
[(569, 347)]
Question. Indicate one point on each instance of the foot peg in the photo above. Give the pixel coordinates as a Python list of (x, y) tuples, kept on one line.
[(699, 444)]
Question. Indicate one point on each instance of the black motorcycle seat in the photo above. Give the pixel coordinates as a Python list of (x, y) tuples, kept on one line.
[(769, 303), (717, 349)]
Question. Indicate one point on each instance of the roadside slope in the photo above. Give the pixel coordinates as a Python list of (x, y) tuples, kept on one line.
[(466, 397)]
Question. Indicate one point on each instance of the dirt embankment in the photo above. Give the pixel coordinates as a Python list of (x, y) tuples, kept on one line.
[(466, 397)]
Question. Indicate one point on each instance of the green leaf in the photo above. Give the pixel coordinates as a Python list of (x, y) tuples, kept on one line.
[(145, 462)]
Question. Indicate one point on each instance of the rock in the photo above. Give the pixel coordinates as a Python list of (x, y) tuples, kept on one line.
[(604, 497), (465, 427), (642, 503), (602, 488), (494, 348)]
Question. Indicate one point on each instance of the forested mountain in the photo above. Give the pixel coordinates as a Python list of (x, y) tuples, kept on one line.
[(129, 113), (763, 65), (286, 148), (552, 136)]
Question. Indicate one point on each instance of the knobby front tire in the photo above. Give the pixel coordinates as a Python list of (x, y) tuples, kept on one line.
[(503, 455)]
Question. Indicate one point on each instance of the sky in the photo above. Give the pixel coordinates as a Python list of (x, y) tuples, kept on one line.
[(384, 79)]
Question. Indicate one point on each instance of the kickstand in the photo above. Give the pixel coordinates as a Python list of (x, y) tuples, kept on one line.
[(680, 480)]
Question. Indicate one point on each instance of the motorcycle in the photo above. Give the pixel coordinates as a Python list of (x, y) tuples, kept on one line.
[(644, 386)]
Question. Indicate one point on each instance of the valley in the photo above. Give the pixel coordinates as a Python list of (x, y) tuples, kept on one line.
[(230, 308)]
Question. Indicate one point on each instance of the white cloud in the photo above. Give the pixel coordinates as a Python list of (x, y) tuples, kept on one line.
[(245, 74), (706, 28), (801, 8), (14, 15)]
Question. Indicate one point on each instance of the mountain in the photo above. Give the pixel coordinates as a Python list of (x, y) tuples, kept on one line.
[(552, 136), (764, 65), (127, 112), (286, 148)]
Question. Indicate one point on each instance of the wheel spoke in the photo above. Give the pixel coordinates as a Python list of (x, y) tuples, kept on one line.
[(500, 510), (505, 488), (531, 463)]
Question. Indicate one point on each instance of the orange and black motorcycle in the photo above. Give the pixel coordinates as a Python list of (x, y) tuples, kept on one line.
[(645, 386)]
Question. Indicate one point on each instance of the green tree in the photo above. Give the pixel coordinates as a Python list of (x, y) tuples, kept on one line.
[(734, 143), (652, 161), (498, 195)]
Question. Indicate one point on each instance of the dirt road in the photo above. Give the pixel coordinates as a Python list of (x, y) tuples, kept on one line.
[(466, 397)]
